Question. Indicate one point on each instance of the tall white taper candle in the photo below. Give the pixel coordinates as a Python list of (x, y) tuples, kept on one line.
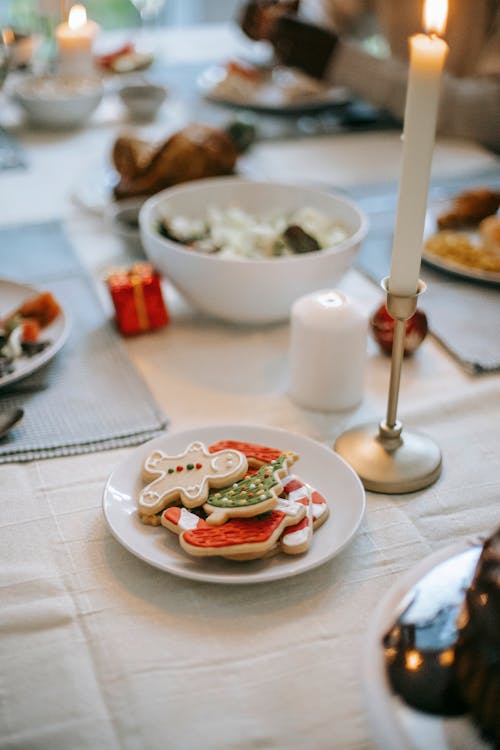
[(427, 57)]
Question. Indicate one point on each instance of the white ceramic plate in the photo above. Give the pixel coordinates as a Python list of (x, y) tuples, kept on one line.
[(396, 726), (268, 97), (318, 465), (450, 266), (93, 190), (12, 295)]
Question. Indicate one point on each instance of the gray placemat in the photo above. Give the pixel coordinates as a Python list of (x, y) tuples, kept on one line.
[(463, 315), (89, 396)]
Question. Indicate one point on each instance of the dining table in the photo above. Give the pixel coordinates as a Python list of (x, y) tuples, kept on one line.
[(101, 649)]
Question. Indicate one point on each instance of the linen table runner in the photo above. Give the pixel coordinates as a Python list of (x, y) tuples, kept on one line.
[(89, 396), (463, 315)]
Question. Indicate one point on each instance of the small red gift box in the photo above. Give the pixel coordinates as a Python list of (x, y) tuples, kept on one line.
[(138, 299)]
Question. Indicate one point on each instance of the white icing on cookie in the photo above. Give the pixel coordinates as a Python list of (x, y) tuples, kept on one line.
[(188, 476)]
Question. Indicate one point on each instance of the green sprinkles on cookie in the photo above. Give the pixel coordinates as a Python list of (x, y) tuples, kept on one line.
[(248, 491)]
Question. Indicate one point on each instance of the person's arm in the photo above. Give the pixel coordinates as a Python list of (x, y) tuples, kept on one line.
[(469, 107)]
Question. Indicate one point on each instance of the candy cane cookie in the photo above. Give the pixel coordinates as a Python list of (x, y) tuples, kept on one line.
[(188, 476), (320, 508), (297, 539)]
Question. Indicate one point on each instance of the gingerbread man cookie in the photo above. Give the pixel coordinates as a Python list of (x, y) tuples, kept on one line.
[(188, 476), (251, 496)]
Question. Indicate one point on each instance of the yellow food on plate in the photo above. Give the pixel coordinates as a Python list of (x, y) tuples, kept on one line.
[(460, 248)]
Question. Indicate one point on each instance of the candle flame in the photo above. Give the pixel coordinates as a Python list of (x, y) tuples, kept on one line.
[(413, 660), (435, 16), (77, 17), (8, 36)]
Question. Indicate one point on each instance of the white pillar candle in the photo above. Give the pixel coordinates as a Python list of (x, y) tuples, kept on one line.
[(427, 57), (328, 337), (75, 40)]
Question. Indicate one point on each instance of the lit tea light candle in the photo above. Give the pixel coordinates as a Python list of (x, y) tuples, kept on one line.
[(75, 40), (427, 57)]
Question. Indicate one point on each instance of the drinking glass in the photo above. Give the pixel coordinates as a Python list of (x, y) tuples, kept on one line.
[(149, 11)]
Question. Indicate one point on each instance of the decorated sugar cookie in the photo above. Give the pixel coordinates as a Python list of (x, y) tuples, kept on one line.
[(251, 496), (297, 539), (257, 455), (148, 520), (319, 508), (305, 506), (180, 519), (188, 476), (240, 538)]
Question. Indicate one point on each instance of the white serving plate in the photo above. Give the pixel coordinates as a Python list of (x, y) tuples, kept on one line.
[(318, 465), (269, 96), (445, 264)]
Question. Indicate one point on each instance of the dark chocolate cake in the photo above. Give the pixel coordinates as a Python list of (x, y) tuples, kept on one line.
[(477, 653)]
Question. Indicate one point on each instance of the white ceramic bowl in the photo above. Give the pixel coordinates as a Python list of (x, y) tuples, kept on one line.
[(58, 102), (248, 291), (142, 100)]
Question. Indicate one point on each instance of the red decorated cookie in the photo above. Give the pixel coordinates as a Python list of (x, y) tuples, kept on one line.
[(238, 536), (257, 455)]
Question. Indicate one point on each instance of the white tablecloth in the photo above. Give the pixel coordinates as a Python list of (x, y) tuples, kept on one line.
[(100, 650)]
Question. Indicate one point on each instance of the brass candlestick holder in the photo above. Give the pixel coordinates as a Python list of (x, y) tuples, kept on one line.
[(386, 458)]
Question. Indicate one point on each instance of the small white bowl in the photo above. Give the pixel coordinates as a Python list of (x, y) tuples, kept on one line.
[(142, 100), (58, 102), (251, 291)]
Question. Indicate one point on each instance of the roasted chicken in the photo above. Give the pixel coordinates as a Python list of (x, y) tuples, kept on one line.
[(192, 153), (469, 208)]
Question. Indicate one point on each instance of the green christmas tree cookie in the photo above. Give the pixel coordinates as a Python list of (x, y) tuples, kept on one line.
[(250, 496)]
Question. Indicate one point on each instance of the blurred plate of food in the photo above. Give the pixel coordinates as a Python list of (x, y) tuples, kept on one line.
[(462, 235), (123, 59), (33, 328), (276, 89), (140, 168)]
